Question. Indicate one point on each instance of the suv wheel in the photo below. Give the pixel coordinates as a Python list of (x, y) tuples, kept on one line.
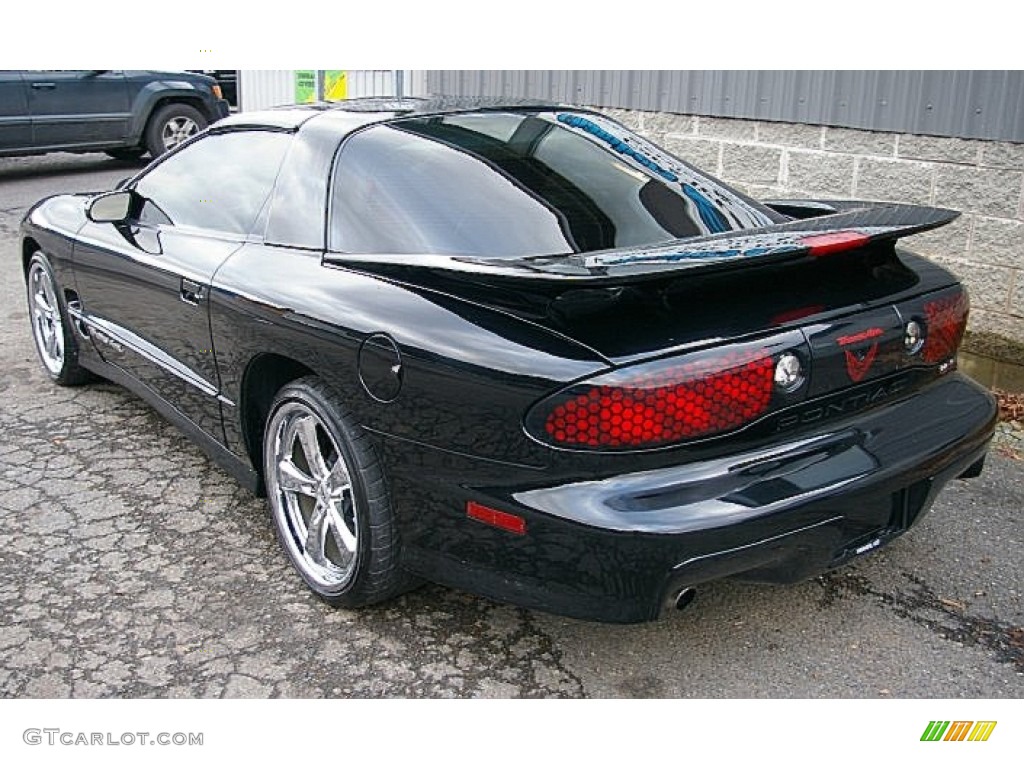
[(170, 125)]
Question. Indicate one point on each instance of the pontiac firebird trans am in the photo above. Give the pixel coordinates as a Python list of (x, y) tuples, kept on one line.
[(518, 349)]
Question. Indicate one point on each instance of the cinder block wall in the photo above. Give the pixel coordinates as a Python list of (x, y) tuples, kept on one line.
[(982, 179)]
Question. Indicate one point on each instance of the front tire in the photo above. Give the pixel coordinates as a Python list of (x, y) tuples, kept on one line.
[(170, 125), (328, 498), (54, 338)]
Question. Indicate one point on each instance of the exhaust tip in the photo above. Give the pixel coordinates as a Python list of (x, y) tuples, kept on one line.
[(684, 597)]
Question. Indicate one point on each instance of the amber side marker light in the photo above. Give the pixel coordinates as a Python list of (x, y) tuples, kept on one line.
[(498, 519)]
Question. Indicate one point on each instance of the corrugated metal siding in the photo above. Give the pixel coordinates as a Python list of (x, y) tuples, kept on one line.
[(371, 82), (264, 88), (968, 104)]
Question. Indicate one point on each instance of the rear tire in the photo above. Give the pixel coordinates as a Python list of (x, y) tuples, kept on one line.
[(52, 333), (170, 125), (328, 498)]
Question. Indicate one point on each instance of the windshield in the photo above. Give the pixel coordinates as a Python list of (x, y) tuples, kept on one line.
[(506, 184)]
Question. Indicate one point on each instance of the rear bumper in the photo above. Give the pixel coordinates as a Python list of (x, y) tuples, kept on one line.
[(618, 548)]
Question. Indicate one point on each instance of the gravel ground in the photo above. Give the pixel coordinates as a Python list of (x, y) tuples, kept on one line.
[(130, 565), (1009, 439)]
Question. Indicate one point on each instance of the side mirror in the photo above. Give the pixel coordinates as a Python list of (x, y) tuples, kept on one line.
[(110, 208)]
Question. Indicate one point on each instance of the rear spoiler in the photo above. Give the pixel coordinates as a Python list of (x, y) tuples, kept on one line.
[(824, 228)]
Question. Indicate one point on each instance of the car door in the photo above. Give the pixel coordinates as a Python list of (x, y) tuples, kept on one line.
[(15, 120), (144, 283), (77, 107)]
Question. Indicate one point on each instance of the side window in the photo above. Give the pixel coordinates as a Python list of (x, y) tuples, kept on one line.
[(220, 182)]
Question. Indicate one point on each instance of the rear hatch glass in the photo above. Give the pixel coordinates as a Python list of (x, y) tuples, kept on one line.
[(514, 185)]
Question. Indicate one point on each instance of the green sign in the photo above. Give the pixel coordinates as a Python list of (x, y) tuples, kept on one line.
[(305, 86)]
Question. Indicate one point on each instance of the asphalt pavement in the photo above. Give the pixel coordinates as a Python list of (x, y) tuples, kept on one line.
[(130, 565)]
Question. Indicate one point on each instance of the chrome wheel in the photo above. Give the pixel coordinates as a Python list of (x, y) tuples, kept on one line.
[(311, 496), (176, 130), (47, 328)]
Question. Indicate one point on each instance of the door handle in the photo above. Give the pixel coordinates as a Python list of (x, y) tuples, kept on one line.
[(44, 86), (191, 291)]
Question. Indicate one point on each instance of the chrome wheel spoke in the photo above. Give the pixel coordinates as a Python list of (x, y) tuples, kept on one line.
[(41, 305), (306, 430), (52, 345), (51, 300), (316, 532), (293, 479), (338, 479), (344, 536)]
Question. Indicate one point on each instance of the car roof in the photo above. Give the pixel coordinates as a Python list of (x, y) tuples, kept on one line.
[(352, 113)]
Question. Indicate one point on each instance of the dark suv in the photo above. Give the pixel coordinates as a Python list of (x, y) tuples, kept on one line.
[(124, 113)]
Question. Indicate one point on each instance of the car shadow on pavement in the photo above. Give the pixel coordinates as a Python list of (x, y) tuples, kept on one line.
[(62, 164)]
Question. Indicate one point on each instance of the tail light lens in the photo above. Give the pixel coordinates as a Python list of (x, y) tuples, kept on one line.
[(668, 401), (946, 322)]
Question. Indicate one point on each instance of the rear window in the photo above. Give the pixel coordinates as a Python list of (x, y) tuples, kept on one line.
[(504, 184)]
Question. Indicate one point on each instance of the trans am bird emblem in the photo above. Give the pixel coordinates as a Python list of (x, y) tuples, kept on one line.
[(859, 361)]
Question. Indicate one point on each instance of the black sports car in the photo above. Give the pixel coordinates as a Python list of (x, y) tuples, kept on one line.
[(519, 350)]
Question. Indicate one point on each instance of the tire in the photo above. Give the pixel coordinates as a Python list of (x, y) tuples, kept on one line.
[(128, 155), (170, 125), (54, 338), (328, 498)]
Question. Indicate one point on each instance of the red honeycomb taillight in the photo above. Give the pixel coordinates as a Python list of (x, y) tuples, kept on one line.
[(661, 403), (946, 321)]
